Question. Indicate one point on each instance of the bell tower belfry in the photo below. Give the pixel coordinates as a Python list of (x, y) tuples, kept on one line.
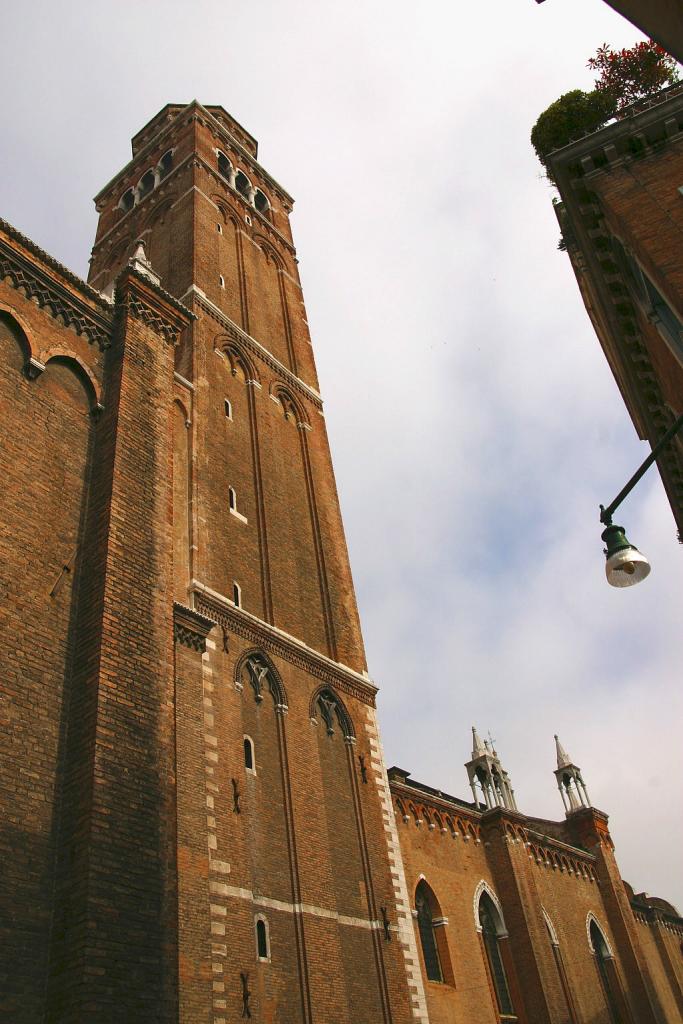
[(284, 839), (570, 781), (256, 515)]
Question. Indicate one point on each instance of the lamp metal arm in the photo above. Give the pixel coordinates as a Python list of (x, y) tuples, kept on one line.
[(606, 513)]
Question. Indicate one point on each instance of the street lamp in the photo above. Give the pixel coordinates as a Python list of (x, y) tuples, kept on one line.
[(625, 564)]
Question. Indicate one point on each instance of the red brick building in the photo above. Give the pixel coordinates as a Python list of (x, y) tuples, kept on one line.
[(197, 823), (621, 217)]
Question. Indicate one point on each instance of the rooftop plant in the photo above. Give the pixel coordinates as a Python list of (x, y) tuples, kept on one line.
[(625, 76)]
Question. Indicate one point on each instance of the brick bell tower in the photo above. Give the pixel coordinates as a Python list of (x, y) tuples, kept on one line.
[(291, 899)]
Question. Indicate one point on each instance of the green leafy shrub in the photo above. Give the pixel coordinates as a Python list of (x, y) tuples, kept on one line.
[(575, 114)]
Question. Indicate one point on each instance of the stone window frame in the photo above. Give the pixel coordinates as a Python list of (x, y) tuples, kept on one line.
[(261, 919), (248, 744)]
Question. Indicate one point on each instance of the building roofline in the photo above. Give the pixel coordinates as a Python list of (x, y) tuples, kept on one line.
[(640, 115), (77, 282)]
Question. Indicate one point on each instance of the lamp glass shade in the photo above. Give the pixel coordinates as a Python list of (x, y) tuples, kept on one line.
[(625, 565)]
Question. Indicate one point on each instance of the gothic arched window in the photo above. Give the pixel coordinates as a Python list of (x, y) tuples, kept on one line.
[(491, 930), (604, 962), (424, 905)]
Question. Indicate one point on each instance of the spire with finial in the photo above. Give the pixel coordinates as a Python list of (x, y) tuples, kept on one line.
[(563, 758), (570, 781), (140, 262), (489, 781), (478, 747)]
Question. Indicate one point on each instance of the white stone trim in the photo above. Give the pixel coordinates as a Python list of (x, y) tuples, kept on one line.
[(405, 927), (590, 916), (251, 342), (238, 515), (484, 887), (364, 680), (551, 927)]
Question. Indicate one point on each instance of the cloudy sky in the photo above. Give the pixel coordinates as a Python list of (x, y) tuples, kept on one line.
[(474, 423)]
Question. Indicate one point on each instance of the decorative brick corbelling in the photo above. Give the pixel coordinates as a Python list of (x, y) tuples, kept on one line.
[(57, 299), (191, 628), (274, 641), (137, 295)]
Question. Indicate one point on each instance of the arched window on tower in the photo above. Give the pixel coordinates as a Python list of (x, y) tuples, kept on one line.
[(146, 184), (605, 964), (242, 184), (249, 760), (127, 200), (224, 165), (492, 930), (431, 926), (165, 164), (261, 203)]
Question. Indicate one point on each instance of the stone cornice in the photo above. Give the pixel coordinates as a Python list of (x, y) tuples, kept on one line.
[(587, 237), (255, 347), (655, 915), (69, 300), (190, 628), (443, 804), (281, 644), (557, 844)]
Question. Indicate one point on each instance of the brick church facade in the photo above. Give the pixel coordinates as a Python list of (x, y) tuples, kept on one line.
[(197, 822)]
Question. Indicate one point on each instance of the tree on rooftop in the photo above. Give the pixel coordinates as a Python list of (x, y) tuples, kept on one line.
[(573, 115), (630, 75), (625, 76)]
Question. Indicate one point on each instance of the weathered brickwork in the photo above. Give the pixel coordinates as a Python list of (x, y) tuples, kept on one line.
[(198, 826)]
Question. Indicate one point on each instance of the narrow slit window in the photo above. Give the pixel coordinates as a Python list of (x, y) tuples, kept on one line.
[(228, 409), (237, 595), (219, 229), (249, 754), (262, 943), (221, 280), (232, 499)]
